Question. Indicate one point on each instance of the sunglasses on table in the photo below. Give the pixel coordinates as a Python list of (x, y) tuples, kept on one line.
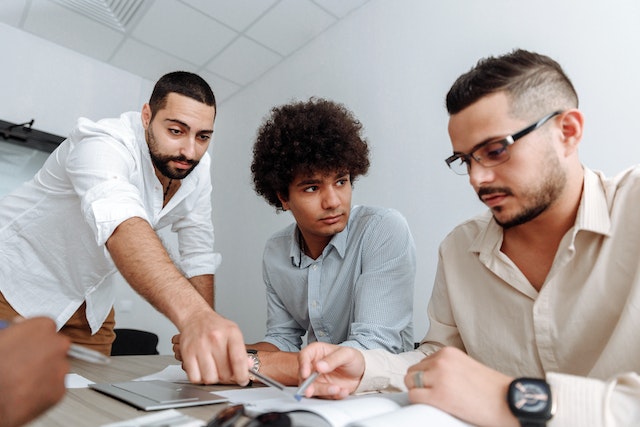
[(230, 415)]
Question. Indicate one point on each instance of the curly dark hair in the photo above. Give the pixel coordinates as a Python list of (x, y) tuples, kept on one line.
[(316, 136)]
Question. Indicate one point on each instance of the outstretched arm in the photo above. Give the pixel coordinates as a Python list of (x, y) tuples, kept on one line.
[(212, 347)]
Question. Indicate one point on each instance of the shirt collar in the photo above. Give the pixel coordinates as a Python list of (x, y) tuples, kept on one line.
[(593, 215), (338, 241)]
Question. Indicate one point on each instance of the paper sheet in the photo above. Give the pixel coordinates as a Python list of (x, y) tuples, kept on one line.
[(76, 381), (172, 374)]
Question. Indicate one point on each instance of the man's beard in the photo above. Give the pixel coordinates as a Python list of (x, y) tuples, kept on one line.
[(544, 196), (161, 161)]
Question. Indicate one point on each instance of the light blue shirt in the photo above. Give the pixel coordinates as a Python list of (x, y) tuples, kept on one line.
[(358, 293)]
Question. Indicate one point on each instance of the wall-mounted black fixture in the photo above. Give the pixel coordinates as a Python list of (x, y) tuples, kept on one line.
[(24, 134)]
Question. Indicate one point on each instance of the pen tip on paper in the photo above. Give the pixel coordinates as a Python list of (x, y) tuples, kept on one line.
[(298, 397)]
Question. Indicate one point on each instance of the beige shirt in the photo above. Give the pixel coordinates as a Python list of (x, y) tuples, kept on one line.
[(585, 321)]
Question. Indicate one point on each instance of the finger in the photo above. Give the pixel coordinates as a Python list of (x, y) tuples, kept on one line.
[(414, 379), (420, 395), (175, 339), (209, 368), (176, 352), (342, 356), (191, 367), (238, 359), (326, 390), (304, 365)]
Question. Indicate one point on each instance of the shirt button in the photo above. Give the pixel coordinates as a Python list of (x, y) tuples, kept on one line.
[(315, 266)]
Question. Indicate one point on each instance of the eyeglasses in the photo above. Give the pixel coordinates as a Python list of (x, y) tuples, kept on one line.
[(492, 153), (229, 415)]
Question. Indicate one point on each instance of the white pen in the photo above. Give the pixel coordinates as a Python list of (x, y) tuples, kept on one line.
[(75, 351), (305, 385), (83, 353), (268, 381)]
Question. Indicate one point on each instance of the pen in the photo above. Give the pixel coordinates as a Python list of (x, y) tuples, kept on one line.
[(86, 354), (305, 385), (268, 381), (76, 351)]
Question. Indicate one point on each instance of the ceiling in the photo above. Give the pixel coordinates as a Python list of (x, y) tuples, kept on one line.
[(230, 43)]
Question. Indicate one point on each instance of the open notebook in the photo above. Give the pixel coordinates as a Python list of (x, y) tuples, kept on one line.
[(371, 410)]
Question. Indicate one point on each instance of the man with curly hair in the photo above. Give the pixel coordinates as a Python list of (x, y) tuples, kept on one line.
[(339, 274)]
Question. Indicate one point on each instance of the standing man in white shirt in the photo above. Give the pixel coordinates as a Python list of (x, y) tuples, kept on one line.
[(536, 304), (94, 208)]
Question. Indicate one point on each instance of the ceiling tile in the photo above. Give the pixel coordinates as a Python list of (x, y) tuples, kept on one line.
[(339, 8), (178, 29), (11, 11), (229, 42), (243, 61), (147, 62), (222, 88), (237, 14), (78, 32), (290, 25)]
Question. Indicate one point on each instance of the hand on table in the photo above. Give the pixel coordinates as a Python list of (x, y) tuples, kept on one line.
[(211, 349), (340, 368), (455, 383)]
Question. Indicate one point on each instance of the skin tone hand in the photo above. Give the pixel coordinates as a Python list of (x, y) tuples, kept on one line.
[(281, 366), (211, 347), (457, 384), (341, 369), (34, 365)]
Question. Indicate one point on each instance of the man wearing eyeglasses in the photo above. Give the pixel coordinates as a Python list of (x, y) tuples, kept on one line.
[(536, 305)]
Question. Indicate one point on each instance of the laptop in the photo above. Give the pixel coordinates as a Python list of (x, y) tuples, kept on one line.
[(156, 394)]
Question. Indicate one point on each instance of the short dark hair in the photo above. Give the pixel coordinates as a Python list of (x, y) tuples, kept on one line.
[(316, 136), (535, 84), (183, 83)]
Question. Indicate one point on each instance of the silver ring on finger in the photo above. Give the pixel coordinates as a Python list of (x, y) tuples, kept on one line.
[(417, 380)]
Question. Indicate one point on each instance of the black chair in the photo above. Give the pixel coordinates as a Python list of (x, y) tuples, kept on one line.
[(130, 342)]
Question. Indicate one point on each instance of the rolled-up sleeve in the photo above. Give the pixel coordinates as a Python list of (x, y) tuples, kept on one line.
[(100, 172)]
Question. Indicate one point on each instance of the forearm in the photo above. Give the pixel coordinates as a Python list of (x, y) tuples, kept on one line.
[(145, 264), (282, 366), (205, 286)]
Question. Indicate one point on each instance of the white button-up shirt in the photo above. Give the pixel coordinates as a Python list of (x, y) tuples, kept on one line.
[(53, 229)]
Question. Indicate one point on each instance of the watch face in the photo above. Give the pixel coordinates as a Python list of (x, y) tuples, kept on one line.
[(530, 397)]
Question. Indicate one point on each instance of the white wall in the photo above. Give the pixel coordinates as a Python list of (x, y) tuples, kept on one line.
[(391, 62)]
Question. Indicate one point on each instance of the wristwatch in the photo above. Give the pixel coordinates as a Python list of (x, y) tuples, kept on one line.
[(253, 355), (530, 401)]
